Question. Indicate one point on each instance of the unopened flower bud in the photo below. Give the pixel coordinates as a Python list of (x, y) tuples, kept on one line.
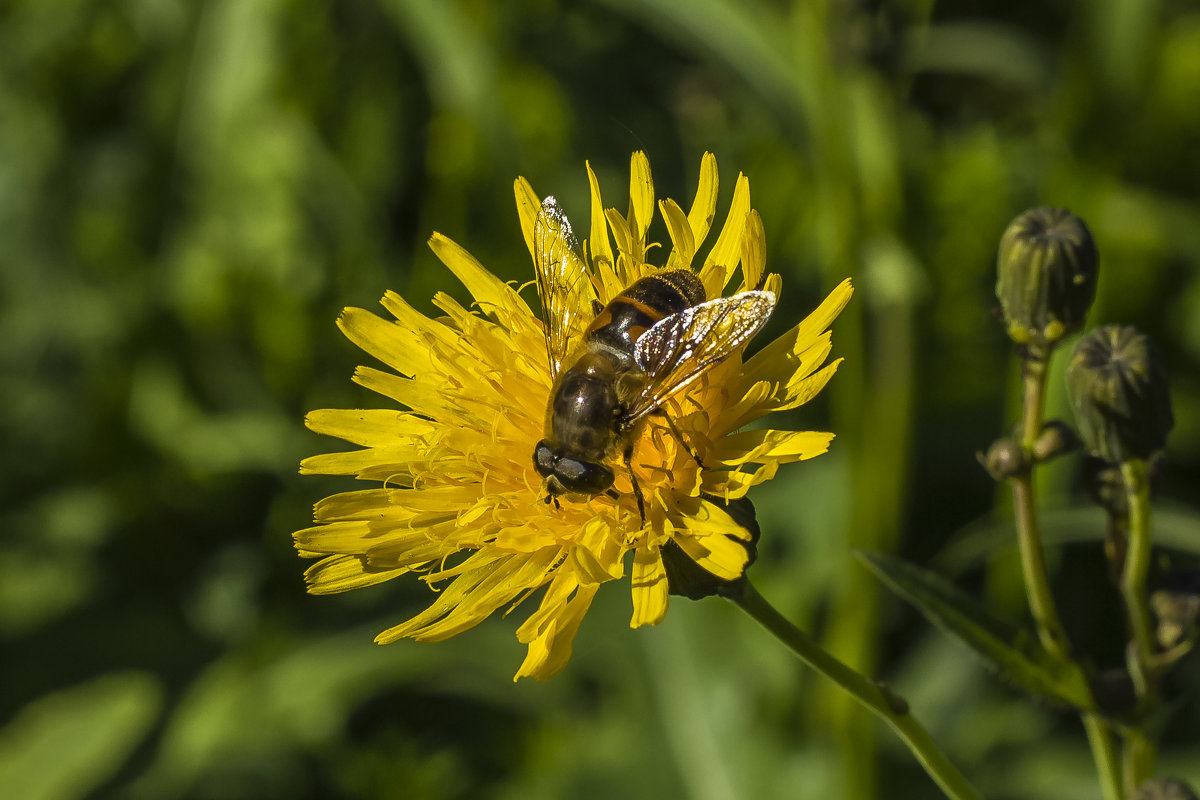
[(1055, 439), (1118, 388), (1046, 275), (1164, 789), (1005, 459)]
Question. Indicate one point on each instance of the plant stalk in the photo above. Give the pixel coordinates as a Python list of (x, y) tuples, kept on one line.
[(874, 696), (1104, 752), (1029, 537), (1139, 748), (1033, 567)]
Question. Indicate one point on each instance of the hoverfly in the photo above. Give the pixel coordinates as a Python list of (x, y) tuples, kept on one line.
[(653, 340)]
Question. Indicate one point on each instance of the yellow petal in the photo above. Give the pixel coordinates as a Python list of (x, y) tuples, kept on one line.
[(492, 294), (651, 593), (598, 243), (371, 461), (800, 338), (342, 573), (528, 207), (425, 332), (722, 260), (754, 251), (343, 537), (641, 197), (484, 585), (800, 391), (704, 207), (401, 348), (553, 601), (768, 445), (684, 245), (702, 518), (361, 504), (596, 556), (417, 395), (632, 250), (724, 557), (367, 426), (551, 650)]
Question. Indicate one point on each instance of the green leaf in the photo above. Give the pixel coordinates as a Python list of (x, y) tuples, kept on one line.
[(65, 744), (1011, 651)]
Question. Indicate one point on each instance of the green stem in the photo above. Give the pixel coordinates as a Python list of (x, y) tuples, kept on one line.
[(1029, 537), (1104, 752), (1139, 759), (1139, 748), (878, 699), (1137, 566), (1033, 566)]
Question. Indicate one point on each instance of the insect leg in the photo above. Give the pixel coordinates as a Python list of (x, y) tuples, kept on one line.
[(637, 490), (679, 436)]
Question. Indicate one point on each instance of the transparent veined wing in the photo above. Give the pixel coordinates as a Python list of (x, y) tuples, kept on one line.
[(680, 348), (562, 282)]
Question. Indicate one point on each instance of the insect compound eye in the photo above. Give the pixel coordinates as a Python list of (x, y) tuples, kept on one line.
[(543, 459), (584, 477)]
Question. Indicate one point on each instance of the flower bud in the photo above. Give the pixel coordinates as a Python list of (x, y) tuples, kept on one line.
[(1118, 388), (1046, 275), (1005, 459)]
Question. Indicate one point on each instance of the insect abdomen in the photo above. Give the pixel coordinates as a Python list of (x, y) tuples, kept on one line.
[(645, 302)]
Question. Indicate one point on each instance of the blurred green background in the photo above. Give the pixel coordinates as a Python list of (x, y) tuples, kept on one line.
[(191, 191)]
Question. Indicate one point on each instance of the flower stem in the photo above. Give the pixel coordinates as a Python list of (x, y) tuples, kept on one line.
[(1033, 566), (876, 697), (1139, 748), (1029, 537), (1105, 755)]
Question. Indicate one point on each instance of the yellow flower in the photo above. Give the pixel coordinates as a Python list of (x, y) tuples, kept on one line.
[(460, 503)]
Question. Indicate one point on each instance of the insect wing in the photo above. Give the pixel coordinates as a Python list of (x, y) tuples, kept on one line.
[(678, 349), (562, 282)]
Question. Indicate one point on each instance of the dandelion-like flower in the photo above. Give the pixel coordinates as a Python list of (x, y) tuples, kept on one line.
[(460, 503)]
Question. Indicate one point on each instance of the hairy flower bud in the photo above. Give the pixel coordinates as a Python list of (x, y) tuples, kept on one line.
[(1118, 388), (1046, 275)]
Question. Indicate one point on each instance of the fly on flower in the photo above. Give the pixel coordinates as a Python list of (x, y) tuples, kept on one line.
[(628, 358), (653, 340)]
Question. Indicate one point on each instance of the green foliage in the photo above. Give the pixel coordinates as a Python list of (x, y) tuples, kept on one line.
[(1012, 653)]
